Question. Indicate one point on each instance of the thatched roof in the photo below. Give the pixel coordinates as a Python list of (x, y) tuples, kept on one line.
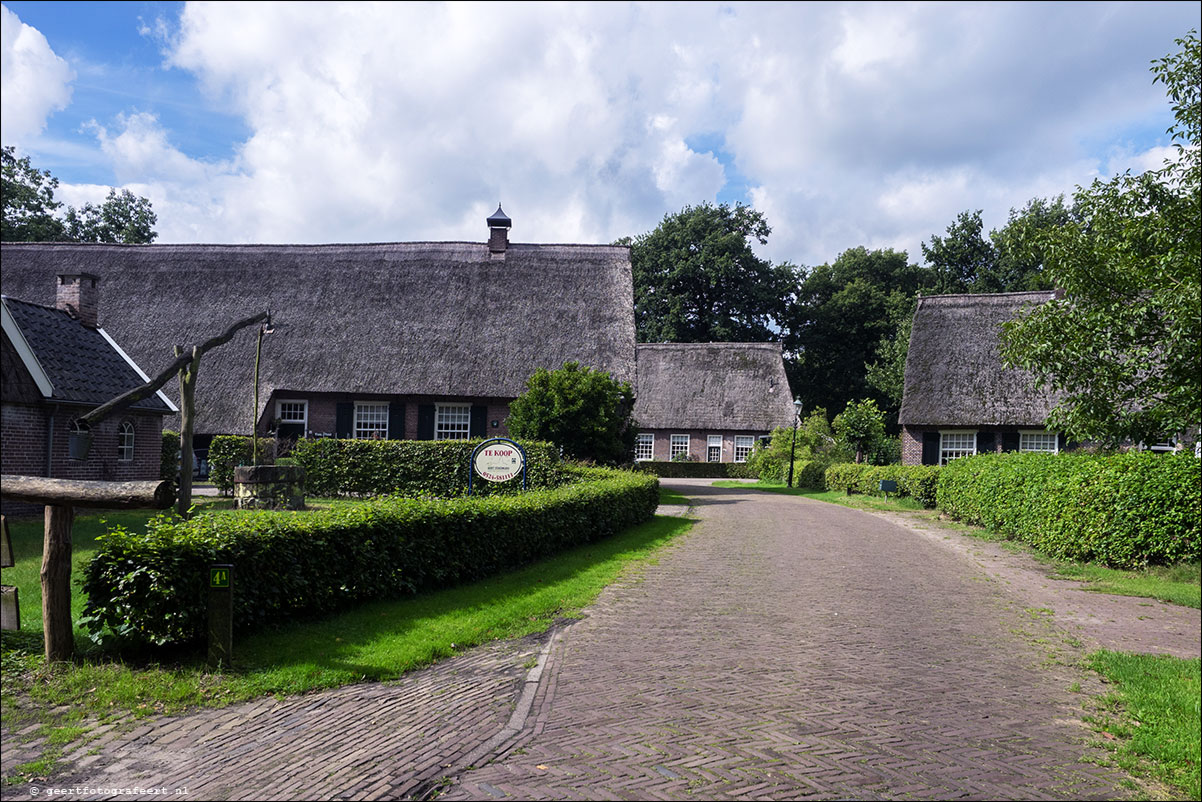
[(731, 386), (404, 318), (954, 373)]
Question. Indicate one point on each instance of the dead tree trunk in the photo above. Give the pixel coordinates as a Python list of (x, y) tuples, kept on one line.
[(187, 407), (58, 630)]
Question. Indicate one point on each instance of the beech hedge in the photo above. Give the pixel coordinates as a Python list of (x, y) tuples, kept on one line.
[(335, 467), (150, 587), (1125, 510), (919, 482)]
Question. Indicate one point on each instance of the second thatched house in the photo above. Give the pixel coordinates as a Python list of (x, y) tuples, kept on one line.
[(708, 402), (959, 399), (423, 340)]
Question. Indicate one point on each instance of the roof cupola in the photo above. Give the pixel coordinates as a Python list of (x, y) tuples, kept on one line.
[(498, 231)]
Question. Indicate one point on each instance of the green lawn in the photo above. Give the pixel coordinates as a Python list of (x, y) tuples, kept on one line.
[(1152, 716)]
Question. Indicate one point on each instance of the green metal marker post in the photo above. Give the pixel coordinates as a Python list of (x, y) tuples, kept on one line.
[(221, 615)]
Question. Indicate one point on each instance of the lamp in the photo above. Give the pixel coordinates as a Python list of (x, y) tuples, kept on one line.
[(793, 446)]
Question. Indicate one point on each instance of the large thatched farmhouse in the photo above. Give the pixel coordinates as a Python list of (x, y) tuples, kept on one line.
[(958, 398), (426, 340), (709, 401), (59, 364)]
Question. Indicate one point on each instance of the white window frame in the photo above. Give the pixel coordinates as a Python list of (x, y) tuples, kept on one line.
[(679, 444), (442, 429), (945, 448), (1025, 435), (743, 446), (360, 429), (713, 441), (126, 437), (644, 447), (304, 406)]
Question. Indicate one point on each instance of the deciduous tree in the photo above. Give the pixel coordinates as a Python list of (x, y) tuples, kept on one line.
[(1123, 344)]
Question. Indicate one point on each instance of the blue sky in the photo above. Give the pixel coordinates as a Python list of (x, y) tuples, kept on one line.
[(846, 124)]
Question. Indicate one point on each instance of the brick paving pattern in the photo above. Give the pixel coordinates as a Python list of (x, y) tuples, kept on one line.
[(794, 650), (784, 649)]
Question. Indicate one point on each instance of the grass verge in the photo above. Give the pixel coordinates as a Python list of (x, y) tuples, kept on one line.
[(1150, 720), (377, 641), (1176, 584), (667, 496)]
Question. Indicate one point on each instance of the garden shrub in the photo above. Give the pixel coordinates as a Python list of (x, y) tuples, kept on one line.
[(227, 452), (1125, 510), (918, 482), (378, 467), (150, 587), (169, 458), (677, 469)]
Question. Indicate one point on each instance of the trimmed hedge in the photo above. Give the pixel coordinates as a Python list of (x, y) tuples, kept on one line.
[(1124, 510), (696, 470), (169, 457), (380, 467), (150, 587), (919, 482)]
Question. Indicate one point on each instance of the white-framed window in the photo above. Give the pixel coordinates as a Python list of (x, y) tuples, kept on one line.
[(1039, 440), (743, 446), (125, 442), (644, 447), (453, 422), (713, 448), (371, 420), (953, 445), (679, 445), (292, 412)]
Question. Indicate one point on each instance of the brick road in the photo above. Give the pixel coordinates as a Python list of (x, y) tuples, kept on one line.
[(784, 649)]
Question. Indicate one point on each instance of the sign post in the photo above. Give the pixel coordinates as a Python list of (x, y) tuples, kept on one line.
[(221, 615), (497, 460)]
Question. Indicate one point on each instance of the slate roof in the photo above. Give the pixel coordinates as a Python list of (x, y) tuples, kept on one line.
[(424, 318), (718, 386), (954, 374), (80, 363)]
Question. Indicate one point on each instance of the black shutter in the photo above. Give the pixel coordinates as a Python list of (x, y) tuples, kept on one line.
[(396, 420), (1062, 441), (1009, 441), (344, 420), (425, 421), (986, 442), (930, 448), (479, 426)]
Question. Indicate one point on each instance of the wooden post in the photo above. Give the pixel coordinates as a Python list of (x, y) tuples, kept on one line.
[(58, 630), (187, 408)]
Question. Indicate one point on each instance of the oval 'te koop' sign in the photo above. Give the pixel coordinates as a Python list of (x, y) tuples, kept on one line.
[(499, 461)]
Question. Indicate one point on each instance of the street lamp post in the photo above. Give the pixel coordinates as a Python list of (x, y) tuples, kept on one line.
[(793, 446)]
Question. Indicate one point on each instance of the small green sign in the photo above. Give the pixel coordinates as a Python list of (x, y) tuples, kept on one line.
[(219, 577)]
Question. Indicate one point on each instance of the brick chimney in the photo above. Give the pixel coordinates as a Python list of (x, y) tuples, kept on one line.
[(498, 233), (79, 295)]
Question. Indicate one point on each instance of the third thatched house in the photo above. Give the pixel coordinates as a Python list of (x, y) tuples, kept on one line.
[(959, 399), (708, 402)]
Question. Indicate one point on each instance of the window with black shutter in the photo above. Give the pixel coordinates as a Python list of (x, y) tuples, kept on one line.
[(425, 421), (479, 427), (344, 420), (930, 448), (986, 442), (1009, 441), (396, 420)]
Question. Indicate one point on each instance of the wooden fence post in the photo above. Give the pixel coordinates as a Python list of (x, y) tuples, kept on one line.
[(59, 632)]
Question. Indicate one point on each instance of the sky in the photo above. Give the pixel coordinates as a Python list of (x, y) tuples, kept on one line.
[(845, 124)]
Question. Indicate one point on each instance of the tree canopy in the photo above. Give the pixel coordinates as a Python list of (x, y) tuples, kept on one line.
[(696, 278), (1123, 344), (585, 412), (31, 212)]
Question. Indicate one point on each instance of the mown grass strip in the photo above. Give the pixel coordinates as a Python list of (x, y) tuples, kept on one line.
[(1152, 716)]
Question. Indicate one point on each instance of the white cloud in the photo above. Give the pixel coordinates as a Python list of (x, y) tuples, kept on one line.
[(34, 82), (853, 124)]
